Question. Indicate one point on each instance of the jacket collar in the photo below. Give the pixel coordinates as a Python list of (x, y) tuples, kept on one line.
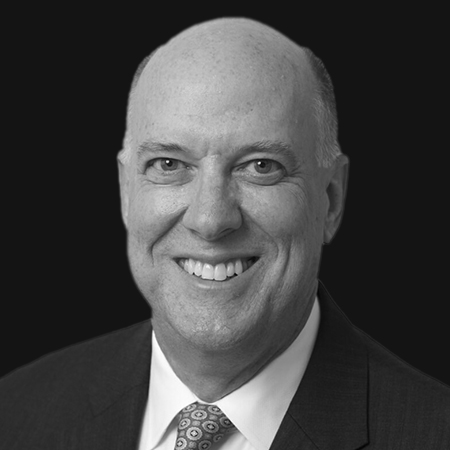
[(117, 392), (329, 409), (124, 365)]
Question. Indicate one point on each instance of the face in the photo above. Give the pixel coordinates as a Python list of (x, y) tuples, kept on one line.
[(225, 209)]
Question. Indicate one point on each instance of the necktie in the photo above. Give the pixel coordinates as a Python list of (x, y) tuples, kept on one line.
[(200, 426)]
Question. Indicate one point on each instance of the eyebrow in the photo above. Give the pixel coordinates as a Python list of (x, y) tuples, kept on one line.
[(274, 147), (159, 147)]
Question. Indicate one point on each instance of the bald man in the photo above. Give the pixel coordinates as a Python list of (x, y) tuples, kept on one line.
[(231, 181)]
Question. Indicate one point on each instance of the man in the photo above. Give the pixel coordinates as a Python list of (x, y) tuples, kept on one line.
[(231, 181)]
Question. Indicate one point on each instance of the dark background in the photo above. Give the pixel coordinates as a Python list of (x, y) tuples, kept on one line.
[(67, 276)]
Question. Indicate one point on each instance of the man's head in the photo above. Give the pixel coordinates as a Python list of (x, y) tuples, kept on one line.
[(226, 170)]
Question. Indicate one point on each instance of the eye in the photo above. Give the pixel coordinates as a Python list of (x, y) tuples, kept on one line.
[(262, 171), (263, 165), (165, 164), (167, 171)]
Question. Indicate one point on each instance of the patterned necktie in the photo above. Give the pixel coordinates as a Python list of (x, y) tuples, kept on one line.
[(199, 426)]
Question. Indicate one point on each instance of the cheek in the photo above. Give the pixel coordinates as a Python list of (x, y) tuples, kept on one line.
[(153, 211), (290, 219), (283, 213)]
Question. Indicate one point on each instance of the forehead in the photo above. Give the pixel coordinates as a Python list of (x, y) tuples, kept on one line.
[(216, 86)]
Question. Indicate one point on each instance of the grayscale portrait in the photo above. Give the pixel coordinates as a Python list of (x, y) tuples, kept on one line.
[(233, 179)]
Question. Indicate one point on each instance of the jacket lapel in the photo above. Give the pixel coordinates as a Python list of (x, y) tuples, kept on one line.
[(117, 395), (291, 436), (115, 428), (329, 410)]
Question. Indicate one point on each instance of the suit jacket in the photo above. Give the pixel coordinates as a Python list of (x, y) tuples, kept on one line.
[(354, 395)]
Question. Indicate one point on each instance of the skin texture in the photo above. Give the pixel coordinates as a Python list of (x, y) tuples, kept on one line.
[(203, 101)]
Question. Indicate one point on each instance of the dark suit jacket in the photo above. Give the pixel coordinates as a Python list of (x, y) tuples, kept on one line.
[(354, 395)]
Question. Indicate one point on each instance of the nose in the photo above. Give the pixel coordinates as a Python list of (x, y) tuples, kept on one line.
[(213, 211)]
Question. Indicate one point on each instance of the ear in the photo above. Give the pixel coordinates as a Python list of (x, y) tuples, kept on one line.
[(336, 191), (124, 189)]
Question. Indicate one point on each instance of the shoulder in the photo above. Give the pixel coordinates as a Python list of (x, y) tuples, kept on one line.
[(390, 374), (397, 402), (54, 389), (402, 397)]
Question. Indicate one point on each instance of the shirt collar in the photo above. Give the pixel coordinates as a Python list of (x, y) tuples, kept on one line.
[(167, 394), (257, 408)]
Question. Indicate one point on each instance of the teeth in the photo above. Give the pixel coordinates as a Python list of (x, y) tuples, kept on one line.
[(230, 269), (238, 267), (219, 272), (208, 272), (198, 268)]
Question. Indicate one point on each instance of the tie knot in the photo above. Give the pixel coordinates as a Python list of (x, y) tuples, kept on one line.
[(199, 426)]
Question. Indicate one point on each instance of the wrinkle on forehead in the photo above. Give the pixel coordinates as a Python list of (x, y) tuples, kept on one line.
[(229, 63)]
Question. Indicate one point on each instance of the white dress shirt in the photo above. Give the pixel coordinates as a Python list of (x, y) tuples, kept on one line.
[(256, 408)]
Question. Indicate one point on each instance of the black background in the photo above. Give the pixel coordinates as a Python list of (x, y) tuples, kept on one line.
[(67, 276)]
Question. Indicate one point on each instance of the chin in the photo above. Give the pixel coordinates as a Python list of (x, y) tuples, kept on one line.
[(213, 332)]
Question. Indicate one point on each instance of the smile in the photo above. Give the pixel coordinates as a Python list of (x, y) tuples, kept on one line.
[(219, 272)]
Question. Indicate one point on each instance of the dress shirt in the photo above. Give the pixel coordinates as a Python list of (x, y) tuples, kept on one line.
[(256, 408)]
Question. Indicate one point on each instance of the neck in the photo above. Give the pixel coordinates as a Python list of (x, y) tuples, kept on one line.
[(211, 375)]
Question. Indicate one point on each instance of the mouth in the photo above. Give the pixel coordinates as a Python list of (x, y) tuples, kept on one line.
[(223, 271)]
